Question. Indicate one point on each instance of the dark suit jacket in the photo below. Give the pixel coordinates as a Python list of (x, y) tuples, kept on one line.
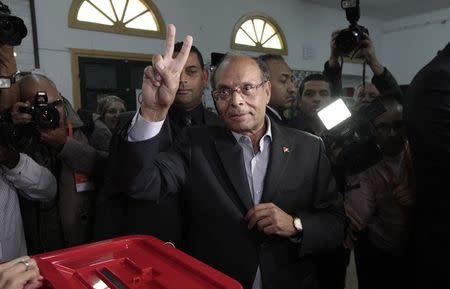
[(384, 83), (206, 170), (275, 117), (117, 214), (427, 116)]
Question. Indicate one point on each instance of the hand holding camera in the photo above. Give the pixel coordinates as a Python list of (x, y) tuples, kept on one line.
[(55, 138), (367, 51), (8, 157), (334, 56), (36, 122), (43, 114), (19, 114)]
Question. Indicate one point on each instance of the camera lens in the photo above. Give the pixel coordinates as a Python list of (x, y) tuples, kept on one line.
[(47, 118), (6, 26), (347, 40)]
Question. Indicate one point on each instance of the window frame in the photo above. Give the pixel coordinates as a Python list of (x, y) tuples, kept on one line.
[(259, 47), (118, 27)]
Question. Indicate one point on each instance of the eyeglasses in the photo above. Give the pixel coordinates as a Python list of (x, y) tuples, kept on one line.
[(247, 89), (58, 102), (386, 128)]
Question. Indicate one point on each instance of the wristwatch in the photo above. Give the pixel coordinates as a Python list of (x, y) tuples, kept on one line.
[(298, 225), (7, 81)]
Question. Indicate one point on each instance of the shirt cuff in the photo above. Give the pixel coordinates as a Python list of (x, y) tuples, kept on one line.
[(19, 167), (141, 129)]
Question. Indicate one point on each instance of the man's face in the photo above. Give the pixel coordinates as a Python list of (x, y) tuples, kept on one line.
[(283, 89), (316, 94), (242, 114), (389, 131), (367, 94), (193, 79)]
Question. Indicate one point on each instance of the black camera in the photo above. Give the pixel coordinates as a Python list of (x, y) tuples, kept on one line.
[(44, 114), (349, 39), (12, 28), (24, 136), (349, 138)]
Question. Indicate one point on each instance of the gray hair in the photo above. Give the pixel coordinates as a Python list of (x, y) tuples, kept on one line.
[(263, 68), (105, 101)]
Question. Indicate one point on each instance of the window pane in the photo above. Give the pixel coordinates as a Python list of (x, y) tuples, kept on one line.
[(146, 22), (259, 26), (248, 27), (106, 8), (102, 76), (119, 5), (134, 8), (273, 42), (242, 38), (268, 32), (88, 13)]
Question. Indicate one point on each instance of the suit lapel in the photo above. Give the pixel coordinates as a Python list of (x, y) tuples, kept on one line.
[(280, 152), (230, 154)]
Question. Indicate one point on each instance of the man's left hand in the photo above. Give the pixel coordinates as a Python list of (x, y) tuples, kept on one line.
[(55, 138), (270, 219), (367, 50), (8, 158)]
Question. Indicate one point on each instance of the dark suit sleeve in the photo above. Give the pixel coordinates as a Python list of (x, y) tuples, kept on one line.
[(149, 169), (334, 76), (386, 82), (100, 139), (323, 227), (429, 119)]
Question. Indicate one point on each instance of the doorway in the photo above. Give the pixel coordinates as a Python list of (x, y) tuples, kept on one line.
[(97, 73)]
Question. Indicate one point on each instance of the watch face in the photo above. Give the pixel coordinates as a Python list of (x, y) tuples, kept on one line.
[(5, 82), (298, 224)]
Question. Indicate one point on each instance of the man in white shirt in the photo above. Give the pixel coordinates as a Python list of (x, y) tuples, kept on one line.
[(19, 174)]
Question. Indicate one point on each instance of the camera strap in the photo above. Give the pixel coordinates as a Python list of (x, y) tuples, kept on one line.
[(364, 75), (83, 182)]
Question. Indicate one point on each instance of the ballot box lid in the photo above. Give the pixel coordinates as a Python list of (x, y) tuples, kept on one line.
[(130, 262)]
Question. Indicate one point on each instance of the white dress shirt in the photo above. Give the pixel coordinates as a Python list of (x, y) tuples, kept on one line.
[(33, 182)]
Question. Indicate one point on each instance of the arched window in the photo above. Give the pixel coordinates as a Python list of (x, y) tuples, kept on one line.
[(132, 17), (258, 33)]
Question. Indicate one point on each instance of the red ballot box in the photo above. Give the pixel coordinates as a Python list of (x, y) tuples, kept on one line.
[(130, 262)]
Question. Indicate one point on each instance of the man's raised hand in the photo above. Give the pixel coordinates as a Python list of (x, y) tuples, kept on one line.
[(162, 78)]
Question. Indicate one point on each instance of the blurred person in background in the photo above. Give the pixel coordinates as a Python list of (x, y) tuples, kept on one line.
[(106, 121)]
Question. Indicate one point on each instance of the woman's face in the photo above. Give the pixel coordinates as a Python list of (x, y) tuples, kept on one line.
[(111, 117)]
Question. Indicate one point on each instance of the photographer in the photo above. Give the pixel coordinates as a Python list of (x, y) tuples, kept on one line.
[(65, 150), (379, 204), (313, 93), (8, 68), (19, 174), (12, 31), (382, 81)]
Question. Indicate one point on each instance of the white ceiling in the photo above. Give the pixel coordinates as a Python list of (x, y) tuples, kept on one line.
[(390, 9)]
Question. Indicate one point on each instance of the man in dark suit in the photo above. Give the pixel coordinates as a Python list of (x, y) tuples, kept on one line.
[(188, 109), (283, 89), (427, 115), (118, 214), (258, 199)]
